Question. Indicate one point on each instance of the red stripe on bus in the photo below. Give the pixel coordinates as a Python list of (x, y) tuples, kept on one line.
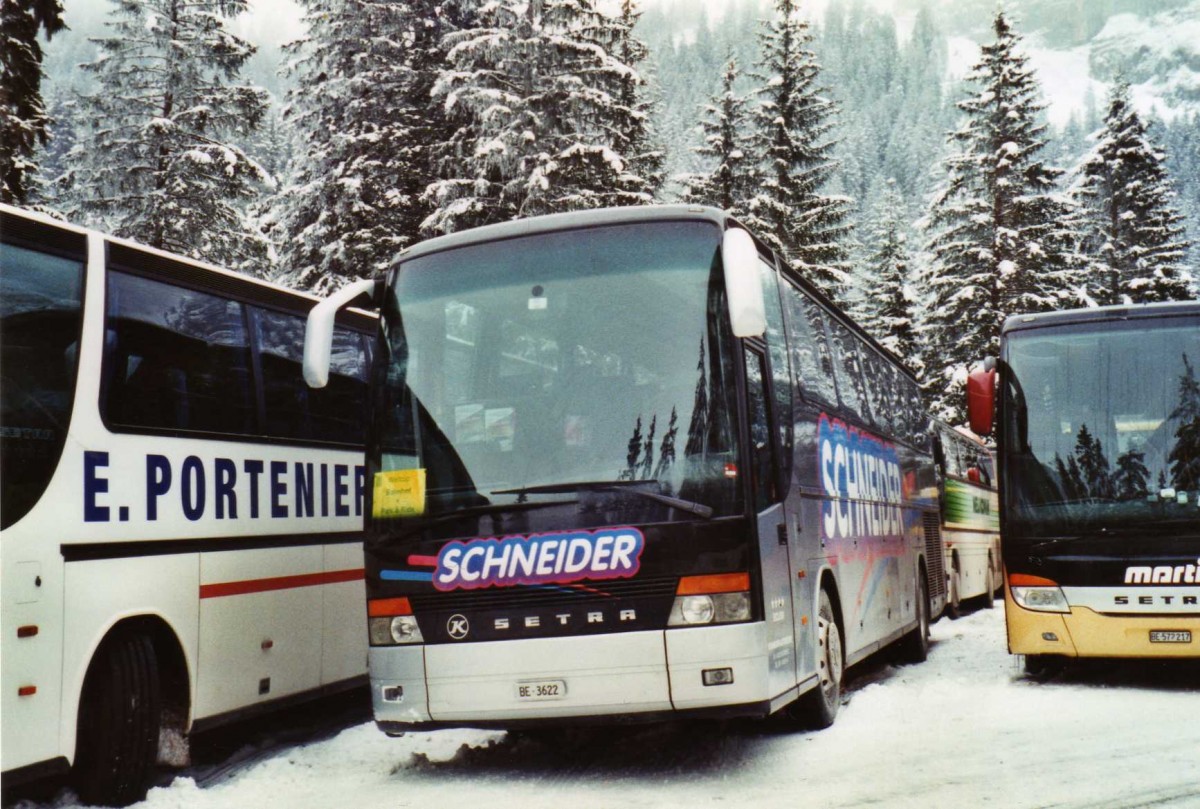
[(422, 561), (238, 588)]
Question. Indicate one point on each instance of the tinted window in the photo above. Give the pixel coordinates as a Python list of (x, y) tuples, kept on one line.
[(780, 373), (849, 372), (811, 359), (176, 359), (40, 298), (294, 410)]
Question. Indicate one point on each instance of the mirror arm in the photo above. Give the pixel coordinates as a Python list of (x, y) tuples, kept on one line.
[(318, 330)]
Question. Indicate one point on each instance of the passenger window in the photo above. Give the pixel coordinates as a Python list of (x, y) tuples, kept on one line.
[(780, 372), (176, 359), (294, 410), (761, 448), (849, 372), (40, 314), (811, 358)]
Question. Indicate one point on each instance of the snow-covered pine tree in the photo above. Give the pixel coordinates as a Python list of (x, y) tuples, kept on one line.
[(729, 182), (889, 300), (535, 92), (635, 114), (363, 72), (1000, 238), (1135, 241), (794, 122), (23, 119), (158, 162)]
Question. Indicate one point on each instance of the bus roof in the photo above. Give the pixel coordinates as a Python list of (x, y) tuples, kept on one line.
[(1100, 314), (179, 267), (564, 221)]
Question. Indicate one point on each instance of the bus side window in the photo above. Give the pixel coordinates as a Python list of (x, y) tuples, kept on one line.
[(780, 372), (811, 359), (849, 372), (180, 360)]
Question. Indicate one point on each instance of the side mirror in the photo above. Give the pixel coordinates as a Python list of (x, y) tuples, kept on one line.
[(981, 401), (743, 284), (318, 331)]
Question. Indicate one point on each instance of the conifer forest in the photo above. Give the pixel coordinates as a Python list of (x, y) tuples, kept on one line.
[(906, 157)]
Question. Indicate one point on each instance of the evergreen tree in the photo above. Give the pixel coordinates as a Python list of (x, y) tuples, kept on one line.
[(158, 162), (1130, 479), (1000, 236), (729, 181), (794, 121), (1135, 241), (1185, 455), (633, 129), (361, 103), (889, 302), (23, 119), (535, 92)]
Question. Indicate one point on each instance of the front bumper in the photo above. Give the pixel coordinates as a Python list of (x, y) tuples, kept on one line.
[(619, 677), (1084, 632)]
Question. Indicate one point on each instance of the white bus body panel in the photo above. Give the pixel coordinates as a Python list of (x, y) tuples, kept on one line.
[(270, 637)]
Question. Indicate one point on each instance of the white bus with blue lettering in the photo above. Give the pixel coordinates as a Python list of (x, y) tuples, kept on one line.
[(625, 466), (180, 518)]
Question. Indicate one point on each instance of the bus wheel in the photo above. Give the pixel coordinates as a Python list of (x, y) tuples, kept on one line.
[(119, 716), (915, 645), (1043, 667), (819, 707), (989, 595), (953, 606)]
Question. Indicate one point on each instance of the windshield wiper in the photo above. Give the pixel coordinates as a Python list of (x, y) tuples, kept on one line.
[(622, 486), (486, 509)]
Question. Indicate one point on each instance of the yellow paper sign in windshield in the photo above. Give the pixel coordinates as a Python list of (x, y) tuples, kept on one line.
[(399, 493)]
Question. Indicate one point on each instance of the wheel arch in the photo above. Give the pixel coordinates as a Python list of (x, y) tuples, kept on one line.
[(175, 678)]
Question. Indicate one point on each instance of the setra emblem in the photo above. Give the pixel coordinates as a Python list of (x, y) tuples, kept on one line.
[(457, 626)]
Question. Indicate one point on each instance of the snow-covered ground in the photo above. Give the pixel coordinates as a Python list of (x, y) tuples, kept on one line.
[(964, 729)]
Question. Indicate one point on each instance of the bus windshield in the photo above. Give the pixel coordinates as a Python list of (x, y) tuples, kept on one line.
[(40, 298), (1102, 429), (587, 368)]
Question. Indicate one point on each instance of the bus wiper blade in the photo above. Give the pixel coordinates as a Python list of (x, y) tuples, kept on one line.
[(487, 509), (624, 486)]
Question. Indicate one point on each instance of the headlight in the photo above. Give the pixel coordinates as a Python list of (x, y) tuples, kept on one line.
[(727, 600), (390, 622), (1041, 599)]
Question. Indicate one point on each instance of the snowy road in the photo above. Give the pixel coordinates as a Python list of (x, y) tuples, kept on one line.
[(964, 729)]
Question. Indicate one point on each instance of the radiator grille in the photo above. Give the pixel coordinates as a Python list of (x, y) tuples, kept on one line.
[(553, 595), (934, 555)]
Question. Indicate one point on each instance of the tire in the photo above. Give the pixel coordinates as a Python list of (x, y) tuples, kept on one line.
[(915, 645), (989, 595), (953, 602), (1043, 667), (819, 707), (120, 713)]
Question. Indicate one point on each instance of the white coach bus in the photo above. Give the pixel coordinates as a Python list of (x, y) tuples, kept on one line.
[(180, 520), (625, 466)]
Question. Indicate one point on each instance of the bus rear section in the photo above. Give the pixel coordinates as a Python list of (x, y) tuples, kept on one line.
[(593, 501), (970, 519), (1099, 451)]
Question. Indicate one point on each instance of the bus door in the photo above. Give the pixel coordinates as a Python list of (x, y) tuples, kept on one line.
[(772, 522)]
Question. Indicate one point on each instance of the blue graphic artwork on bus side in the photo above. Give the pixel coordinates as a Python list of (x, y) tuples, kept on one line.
[(863, 473), (612, 553)]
